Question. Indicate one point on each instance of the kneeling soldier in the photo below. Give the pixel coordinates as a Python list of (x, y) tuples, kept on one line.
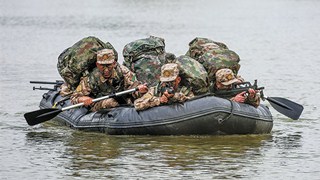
[(109, 77), (224, 81), (167, 91)]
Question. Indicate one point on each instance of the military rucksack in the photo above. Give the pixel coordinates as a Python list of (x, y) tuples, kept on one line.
[(193, 74), (198, 46), (212, 62), (145, 57), (79, 59)]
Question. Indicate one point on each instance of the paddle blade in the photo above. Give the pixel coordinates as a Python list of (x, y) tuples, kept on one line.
[(286, 107), (42, 115)]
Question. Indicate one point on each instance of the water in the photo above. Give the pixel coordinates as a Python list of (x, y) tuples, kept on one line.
[(277, 40)]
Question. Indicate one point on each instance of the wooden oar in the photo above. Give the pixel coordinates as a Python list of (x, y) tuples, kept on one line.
[(42, 115), (286, 107)]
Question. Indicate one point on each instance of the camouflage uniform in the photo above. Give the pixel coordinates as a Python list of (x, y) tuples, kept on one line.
[(79, 59), (226, 77), (169, 72), (213, 56), (65, 90), (96, 85)]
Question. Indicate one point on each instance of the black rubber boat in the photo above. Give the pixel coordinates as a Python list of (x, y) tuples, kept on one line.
[(207, 115)]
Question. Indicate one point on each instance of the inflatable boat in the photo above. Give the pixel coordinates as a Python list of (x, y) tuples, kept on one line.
[(207, 115)]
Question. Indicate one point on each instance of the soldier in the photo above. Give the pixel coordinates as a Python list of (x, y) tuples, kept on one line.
[(167, 91), (224, 81), (107, 78)]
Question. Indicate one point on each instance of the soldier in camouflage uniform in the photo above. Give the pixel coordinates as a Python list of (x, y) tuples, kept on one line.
[(224, 80), (213, 56), (168, 91), (107, 78)]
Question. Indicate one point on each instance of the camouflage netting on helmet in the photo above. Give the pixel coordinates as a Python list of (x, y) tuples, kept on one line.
[(77, 60), (212, 62), (198, 46), (145, 57), (193, 74)]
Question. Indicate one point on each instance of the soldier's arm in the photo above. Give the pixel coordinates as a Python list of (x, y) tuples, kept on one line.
[(65, 90), (147, 100), (130, 81), (83, 89), (184, 94)]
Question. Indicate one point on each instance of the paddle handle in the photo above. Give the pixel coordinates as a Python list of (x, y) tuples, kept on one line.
[(101, 98)]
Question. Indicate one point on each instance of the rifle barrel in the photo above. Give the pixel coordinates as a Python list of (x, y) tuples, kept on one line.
[(43, 88), (45, 82)]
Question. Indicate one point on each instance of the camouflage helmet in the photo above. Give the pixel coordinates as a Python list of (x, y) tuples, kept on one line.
[(226, 77), (169, 72), (105, 56)]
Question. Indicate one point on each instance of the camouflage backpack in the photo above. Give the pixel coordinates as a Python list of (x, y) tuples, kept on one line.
[(193, 74), (79, 59), (145, 57), (212, 62), (199, 46)]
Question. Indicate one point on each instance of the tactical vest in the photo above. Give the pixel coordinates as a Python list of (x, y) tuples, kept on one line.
[(100, 87)]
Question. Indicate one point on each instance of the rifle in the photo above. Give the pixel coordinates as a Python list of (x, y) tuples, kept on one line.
[(284, 106), (56, 84), (238, 88), (168, 88)]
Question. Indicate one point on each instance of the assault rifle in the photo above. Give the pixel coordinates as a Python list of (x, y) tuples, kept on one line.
[(56, 84), (284, 106), (238, 88), (168, 88)]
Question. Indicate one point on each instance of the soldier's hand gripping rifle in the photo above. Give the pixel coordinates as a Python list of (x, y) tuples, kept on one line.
[(167, 88), (56, 84), (284, 106)]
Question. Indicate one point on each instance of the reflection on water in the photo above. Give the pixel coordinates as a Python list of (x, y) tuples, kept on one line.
[(90, 154), (96, 155)]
